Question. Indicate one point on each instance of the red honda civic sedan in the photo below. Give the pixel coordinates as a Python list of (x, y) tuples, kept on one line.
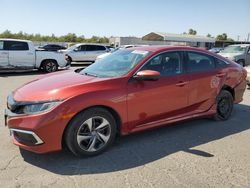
[(128, 91)]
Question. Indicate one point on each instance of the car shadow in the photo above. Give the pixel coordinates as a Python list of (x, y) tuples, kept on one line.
[(20, 73), (145, 147), (13, 73)]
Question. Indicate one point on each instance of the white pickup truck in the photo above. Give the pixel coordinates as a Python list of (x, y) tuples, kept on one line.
[(22, 55)]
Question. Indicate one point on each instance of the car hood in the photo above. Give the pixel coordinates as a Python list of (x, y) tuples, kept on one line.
[(229, 55), (56, 86)]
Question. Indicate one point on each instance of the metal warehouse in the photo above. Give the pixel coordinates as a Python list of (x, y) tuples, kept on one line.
[(160, 38)]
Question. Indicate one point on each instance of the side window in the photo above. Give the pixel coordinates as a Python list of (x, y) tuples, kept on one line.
[(91, 48), (17, 46), (198, 62), (219, 63), (1, 45), (169, 63), (100, 48), (80, 48)]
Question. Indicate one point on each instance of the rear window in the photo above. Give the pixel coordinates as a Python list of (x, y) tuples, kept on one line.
[(198, 62), (220, 64), (16, 46), (95, 48)]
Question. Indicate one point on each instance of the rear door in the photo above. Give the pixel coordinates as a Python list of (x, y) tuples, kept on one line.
[(92, 51), (203, 81), (4, 55), (19, 54)]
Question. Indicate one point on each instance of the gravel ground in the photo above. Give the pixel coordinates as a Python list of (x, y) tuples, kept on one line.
[(198, 153)]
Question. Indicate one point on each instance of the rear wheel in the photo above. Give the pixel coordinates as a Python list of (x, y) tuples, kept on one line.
[(224, 105), (50, 66), (91, 132)]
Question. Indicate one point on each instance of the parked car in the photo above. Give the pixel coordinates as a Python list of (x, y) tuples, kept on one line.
[(51, 47), (121, 47), (129, 91), (215, 50), (84, 52), (21, 54), (239, 53)]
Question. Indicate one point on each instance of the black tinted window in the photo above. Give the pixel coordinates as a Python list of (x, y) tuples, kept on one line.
[(16, 45), (169, 63), (94, 48), (81, 48), (198, 62)]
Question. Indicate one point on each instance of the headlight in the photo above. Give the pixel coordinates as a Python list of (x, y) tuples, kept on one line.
[(39, 107)]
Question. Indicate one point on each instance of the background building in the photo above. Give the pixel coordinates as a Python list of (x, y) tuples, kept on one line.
[(157, 38)]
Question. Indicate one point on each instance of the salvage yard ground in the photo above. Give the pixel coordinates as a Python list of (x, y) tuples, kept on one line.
[(198, 153)]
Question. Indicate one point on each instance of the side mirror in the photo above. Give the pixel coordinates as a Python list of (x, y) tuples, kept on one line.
[(147, 75)]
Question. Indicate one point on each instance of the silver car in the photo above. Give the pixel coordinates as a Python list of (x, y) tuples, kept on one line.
[(239, 53), (84, 52)]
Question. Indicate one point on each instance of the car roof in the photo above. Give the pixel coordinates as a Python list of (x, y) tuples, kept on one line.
[(19, 40), (90, 44), (156, 48)]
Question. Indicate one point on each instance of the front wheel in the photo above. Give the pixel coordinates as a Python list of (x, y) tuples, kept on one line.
[(91, 132), (224, 105)]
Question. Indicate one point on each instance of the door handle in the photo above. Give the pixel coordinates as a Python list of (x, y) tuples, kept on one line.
[(181, 83), (220, 75)]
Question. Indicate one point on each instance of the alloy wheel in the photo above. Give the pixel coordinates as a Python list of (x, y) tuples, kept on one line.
[(94, 134)]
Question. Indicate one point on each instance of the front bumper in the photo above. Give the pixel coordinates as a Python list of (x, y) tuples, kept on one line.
[(41, 133)]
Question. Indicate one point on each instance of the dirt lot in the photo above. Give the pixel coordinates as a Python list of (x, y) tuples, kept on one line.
[(199, 153)]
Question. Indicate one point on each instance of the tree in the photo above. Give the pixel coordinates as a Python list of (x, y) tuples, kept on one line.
[(192, 32), (70, 37), (209, 35), (223, 36)]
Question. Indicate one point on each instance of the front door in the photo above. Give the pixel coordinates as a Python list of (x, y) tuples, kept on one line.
[(4, 56), (152, 101)]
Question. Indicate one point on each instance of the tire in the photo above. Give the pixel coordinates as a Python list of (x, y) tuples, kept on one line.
[(50, 66), (241, 62), (224, 105), (91, 132)]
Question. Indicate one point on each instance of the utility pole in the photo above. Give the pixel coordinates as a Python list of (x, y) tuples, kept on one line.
[(238, 37), (248, 37)]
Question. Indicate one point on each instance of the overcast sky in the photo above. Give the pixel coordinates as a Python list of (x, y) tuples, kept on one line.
[(126, 17)]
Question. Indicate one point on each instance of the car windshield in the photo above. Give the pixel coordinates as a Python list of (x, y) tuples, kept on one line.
[(234, 49), (116, 64)]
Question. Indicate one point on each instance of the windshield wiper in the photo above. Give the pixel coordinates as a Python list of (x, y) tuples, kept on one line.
[(90, 74)]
